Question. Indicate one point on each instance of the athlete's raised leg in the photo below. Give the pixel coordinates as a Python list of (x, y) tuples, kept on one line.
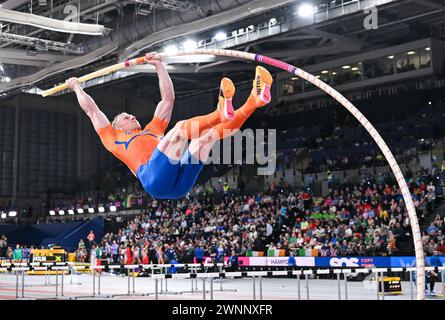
[(224, 112), (259, 97), (174, 172), (199, 149)]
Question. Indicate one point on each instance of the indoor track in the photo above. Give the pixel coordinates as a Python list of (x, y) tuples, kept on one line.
[(81, 287)]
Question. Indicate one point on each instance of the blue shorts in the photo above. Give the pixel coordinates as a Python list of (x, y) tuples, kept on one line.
[(163, 178)]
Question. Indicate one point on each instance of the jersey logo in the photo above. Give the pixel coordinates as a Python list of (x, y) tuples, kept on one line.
[(143, 133)]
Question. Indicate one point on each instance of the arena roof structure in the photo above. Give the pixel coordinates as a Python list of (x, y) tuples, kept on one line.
[(43, 42)]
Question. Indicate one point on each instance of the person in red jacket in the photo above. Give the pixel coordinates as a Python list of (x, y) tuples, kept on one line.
[(441, 247), (128, 255), (145, 259)]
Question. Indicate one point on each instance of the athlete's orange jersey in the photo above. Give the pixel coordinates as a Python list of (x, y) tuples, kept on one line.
[(133, 148)]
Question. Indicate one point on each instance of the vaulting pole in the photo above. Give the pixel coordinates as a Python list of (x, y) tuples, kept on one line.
[(420, 263)]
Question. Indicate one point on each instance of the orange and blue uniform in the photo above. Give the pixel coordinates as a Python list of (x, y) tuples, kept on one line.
[(133, 148), (160, 176)]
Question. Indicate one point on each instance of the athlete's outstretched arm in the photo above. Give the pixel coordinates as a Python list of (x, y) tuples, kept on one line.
[(165, 106), (98, 118)]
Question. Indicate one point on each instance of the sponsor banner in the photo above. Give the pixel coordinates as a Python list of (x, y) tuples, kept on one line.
[(281, 261), (384, 262), (269, 261), (48, 255), (360, 262)]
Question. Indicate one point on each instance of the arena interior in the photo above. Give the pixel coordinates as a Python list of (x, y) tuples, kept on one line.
[(303, 205)]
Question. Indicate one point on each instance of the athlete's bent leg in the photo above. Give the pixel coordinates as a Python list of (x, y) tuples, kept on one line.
[(224, 112), (259, 97), (171, 173), (159, 175), (199, 150), (174, 143)]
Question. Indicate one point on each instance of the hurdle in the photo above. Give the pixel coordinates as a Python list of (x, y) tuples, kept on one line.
[(207, 279), (93, 275), (131, 292), (193, 267)]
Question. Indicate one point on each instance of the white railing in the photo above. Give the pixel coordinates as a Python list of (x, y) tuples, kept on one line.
[(198, 271)]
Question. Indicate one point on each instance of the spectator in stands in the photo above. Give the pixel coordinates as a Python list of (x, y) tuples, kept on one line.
[(219, 252), (93, 253), (160, 254), (430, 279), (145, 259), (136, 254), (81, 245), (187, 254), (107, 251), (199, 254), (152, 254), (430, 198), (17, 254), (226, 188), (128, 254), (26, 252), (115, 252), (90, 239), (438, 221), (441, 247), (122, 256), (78, 255), (397, 231), (440, 236), (3, 245), (344, 249), (330, 178), (170, 253), (232, 263), (99, 254), (291, 261), (9, 253), (432, 229)]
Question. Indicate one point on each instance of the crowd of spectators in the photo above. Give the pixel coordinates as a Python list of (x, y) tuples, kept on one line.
[(366, 219), (17, 253), (3, 245), (433, 238)]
